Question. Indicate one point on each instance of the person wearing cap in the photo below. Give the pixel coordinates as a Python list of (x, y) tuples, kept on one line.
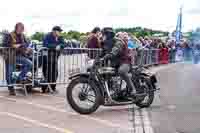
[(17, 55), (53, 41), (116, 50)]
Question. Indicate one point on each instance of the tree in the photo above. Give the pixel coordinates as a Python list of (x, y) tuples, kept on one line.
[(38, 36), (139, 31), (74, 34)]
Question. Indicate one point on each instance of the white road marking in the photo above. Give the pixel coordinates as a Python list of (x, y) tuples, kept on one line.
[(142, 123), (102, 121), (35, 122), (147, 124), (104, 107), (136, 122), (50, 95)]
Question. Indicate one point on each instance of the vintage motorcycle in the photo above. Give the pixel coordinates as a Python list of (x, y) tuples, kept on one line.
[(103, 86)]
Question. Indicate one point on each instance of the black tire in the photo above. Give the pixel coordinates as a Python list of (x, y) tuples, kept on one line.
[(73, 104), (150, 95)]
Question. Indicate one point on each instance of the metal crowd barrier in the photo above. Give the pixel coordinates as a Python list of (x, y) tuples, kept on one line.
[(147, 57), (55, 67), (51, 67), (11, 66)]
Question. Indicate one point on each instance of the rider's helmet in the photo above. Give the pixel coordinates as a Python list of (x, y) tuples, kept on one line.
[(108, 33)]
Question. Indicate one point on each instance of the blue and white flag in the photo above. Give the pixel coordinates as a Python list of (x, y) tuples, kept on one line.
[(179, 28)]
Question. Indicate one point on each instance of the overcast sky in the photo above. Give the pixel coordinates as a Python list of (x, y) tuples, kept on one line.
[(83, 15)]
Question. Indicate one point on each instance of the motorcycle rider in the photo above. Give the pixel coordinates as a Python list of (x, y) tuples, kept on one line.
[(116, 50)]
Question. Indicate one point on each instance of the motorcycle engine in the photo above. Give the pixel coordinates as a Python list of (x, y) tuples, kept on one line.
[(115, 86)]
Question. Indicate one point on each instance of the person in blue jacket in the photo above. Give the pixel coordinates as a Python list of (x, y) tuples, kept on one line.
[(132, 44), (54, 42)]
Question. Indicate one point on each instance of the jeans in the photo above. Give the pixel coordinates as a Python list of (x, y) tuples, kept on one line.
[(26, 66), (123, 72), (10, 68)]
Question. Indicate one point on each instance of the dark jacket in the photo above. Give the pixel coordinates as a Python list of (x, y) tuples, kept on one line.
[(51, 42), (10, 41), (93, 42), (13, 38), (117, 51)]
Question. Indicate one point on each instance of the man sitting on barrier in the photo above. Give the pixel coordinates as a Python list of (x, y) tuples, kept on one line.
[(53, 41), (19, 44), (116, 50)]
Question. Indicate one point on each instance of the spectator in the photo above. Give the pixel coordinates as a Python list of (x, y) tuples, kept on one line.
[(53, 41), (164, 54), (172, 51), (187, 52), (142, 41), (196, 53), (94, 42), (132, 42), (19, 44), (146, 42)]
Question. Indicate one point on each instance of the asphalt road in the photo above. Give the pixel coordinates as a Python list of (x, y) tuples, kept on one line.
[(176, 109)]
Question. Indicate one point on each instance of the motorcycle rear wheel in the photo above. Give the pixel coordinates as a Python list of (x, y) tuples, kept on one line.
[(148, 89)]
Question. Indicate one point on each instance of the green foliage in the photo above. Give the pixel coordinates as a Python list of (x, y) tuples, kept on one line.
[(137, 31), (72, 35), (38, 36)]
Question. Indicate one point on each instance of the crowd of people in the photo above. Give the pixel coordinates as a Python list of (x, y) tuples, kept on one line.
[(167, 49)]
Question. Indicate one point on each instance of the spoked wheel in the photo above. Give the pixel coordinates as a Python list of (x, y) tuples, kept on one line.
[(83, 96), (145, 87)]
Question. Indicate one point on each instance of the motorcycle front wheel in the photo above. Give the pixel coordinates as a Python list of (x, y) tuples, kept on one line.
[(83, 96)]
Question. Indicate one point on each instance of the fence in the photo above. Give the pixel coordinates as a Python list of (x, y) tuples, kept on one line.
[(54, 67)]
